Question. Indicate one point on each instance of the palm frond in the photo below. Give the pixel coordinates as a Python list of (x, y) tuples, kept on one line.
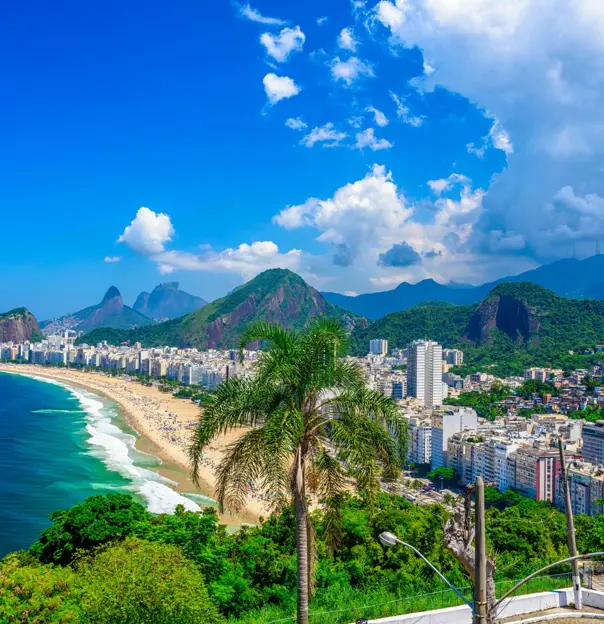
[(244, 462), (285, 339), (237, 403)]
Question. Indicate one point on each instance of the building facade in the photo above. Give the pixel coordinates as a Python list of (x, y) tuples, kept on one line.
[(424, 372)]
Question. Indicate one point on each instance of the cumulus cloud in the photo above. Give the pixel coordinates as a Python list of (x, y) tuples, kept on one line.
[(444, 184), (246, 260), (278, 88), (400, 255), (545, 94), (357, 216), (368, 139), (346, 40), (148, 232), (296, 123), (497, 138), (403, 112), (350, 70), (249, 13), (380, 119), (281, 46), (322, 20), (112, 259), (326, 135)]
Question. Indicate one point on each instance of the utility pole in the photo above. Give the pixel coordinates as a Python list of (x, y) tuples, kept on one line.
[(570, 529), (480, 563)]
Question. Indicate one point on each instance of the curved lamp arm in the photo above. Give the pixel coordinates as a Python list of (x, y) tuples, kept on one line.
[(389, 539)]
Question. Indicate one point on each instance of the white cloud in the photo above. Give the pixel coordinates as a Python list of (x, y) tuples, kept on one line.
[(148, 232), (391, 15), (348, 71), (296, 123), (112, 259), (346, 40), (445, 184), (281, 46), (247, 12), (358, 215), (246, 259), (497, 138), (278, 88), (327, 135), (544, 93), (368, 139), (322, 20), (380, 119), (403, 113), (356, 121)]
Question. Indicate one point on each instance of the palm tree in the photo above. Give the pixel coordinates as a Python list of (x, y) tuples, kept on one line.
[(310, 423)]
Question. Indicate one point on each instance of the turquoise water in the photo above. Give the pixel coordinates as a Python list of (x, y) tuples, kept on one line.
[(59, 445)]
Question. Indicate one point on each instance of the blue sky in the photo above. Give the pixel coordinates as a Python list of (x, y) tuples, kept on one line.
[(149, 141)]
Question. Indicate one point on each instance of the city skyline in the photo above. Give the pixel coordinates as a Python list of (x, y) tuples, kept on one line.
[(351, 126)]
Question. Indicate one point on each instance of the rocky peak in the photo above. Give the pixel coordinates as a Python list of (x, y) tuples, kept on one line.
[(19, 325), (508, 309)]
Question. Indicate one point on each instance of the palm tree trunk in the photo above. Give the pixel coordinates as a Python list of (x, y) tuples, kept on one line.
[(302, 548)]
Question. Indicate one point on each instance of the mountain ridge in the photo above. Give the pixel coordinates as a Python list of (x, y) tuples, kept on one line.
[(110, 312), (276, 295), (571, 278), (167, 301)]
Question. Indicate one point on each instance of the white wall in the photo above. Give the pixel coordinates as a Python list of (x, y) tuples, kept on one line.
[(510, 607)]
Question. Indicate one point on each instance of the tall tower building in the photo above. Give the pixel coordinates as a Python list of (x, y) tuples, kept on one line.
[(378, 346), (424, 372)]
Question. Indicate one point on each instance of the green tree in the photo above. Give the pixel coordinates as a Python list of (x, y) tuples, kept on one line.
[(311, 417), (30, 592), (446, 474), (138, 582), (97, 520)]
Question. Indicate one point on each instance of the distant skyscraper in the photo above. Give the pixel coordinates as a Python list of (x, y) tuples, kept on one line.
[(424, 372), (378, 346)]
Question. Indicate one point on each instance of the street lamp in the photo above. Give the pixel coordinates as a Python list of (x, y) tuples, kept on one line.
[(389, 539)]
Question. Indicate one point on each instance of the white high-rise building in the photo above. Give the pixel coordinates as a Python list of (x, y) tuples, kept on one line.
[(378, 346), (424, 372)]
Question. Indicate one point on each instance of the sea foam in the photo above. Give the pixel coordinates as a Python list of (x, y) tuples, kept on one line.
[(116, 450)]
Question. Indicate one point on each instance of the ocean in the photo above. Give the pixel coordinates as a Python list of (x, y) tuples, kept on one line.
[(59, 445)]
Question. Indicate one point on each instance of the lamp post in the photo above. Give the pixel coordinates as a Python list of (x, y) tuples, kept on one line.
[(389, 539)]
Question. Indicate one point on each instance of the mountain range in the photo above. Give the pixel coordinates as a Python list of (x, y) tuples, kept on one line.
[(276, 295), (571, 278), (167, 301), (110, 312), (515, 326)]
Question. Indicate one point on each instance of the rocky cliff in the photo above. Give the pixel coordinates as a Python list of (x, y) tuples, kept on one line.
[(511, 315), (19, 325)]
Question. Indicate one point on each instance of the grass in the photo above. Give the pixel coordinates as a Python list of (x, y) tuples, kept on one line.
[(342, 605)]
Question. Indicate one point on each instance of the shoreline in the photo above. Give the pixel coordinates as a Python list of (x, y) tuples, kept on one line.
[(164, 425)]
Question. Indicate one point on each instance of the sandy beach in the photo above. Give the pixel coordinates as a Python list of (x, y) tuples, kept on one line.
[(165, 425)]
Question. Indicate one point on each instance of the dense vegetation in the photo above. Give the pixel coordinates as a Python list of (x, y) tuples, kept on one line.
[(485, 403), (136, 567), (276, 295), (492, 334)]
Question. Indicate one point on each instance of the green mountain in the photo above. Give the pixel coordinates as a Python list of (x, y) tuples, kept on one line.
[(19, 325), (277, 296), (111, 312), (576, 279), (167, 301), (517, 325)]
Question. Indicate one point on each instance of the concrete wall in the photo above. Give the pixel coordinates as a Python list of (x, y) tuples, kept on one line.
[(518, 605)]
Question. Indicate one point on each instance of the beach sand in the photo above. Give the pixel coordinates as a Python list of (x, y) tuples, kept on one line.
[(165, 425)]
